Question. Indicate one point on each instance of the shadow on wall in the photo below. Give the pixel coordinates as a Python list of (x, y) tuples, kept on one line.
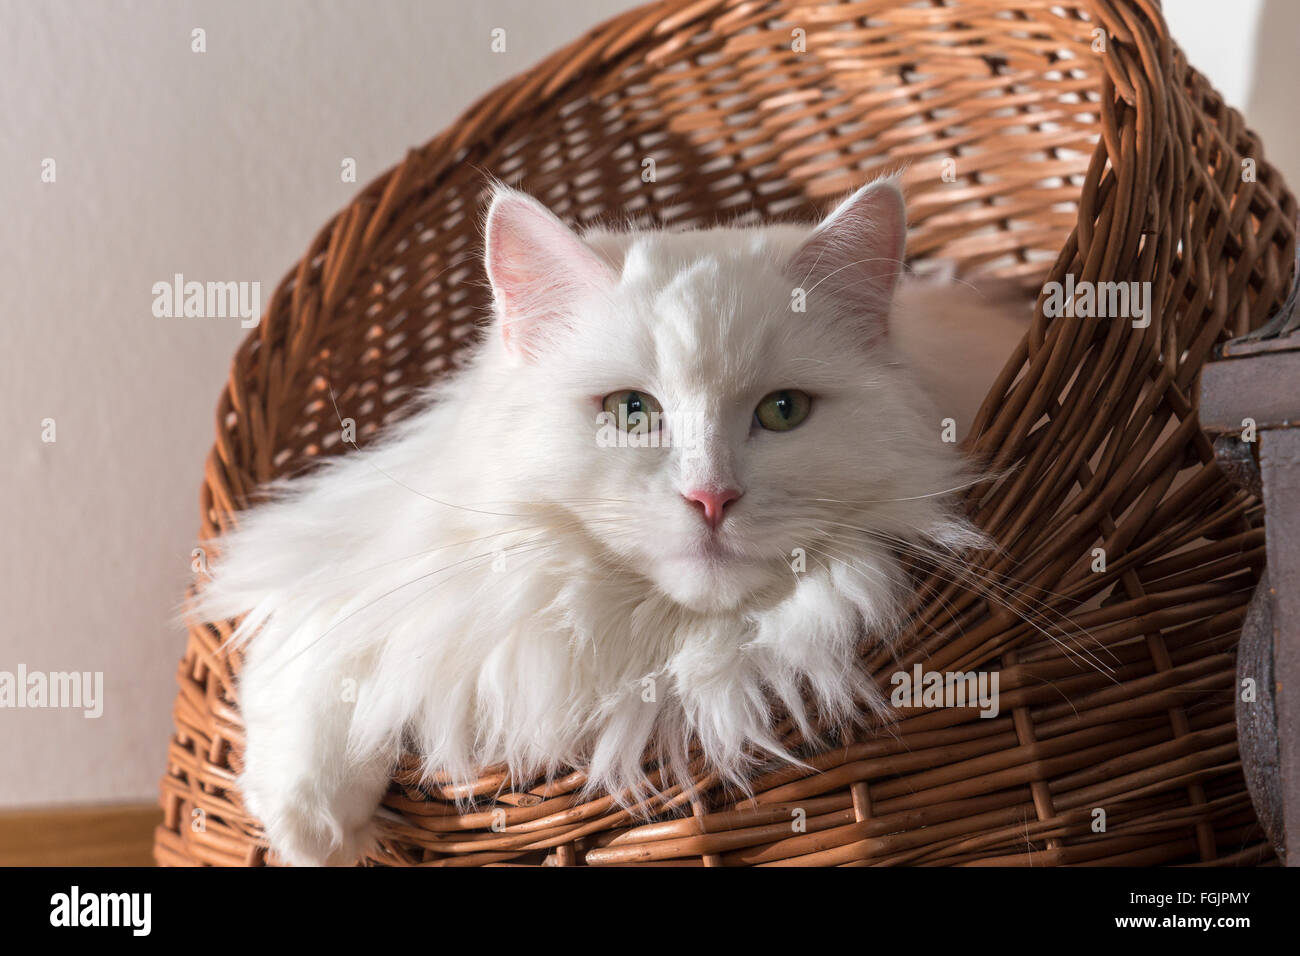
[(1270, 107)]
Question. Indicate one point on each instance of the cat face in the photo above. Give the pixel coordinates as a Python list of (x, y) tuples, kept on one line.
[(718, 407)]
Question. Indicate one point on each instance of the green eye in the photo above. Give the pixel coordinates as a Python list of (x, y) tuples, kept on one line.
[(783, 410), (636, 412)]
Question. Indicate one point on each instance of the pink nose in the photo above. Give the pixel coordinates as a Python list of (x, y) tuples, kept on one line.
[(713, 503)]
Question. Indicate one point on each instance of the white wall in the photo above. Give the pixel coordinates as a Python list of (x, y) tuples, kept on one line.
[(1250, 50), (219, 166), (223, 166)]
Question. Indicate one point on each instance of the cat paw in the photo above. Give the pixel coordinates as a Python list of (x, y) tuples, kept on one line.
[(305, 837), (304, 830)]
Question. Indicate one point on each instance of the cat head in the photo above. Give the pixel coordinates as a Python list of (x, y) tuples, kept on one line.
[(720, 409)]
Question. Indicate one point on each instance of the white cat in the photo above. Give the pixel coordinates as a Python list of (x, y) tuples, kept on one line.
[(511, 578)]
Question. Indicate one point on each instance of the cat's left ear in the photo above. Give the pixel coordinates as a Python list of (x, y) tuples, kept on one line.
[(540, 270), (856, 255)]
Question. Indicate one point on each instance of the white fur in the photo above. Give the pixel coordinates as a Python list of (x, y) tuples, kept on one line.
[(487, 586)]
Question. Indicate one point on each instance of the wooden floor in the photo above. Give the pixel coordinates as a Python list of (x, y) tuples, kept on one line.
[(79, 836)]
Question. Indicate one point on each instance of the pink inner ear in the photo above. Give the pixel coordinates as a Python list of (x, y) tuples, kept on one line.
[(539, 270), (856, 255)]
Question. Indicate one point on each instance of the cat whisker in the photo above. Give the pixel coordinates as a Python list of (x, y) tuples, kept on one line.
[(849, 265), (1009, 599), (930, 494)]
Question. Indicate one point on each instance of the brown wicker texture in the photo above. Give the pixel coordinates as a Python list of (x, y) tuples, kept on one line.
[(1114, 164)]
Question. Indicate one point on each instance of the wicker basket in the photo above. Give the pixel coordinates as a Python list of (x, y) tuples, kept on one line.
[(1039, 140)]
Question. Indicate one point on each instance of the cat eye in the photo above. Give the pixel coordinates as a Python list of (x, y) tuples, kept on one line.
[(636, 412), (783, 410)]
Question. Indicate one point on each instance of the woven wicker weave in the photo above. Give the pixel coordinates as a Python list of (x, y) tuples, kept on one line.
[(1081, 143)]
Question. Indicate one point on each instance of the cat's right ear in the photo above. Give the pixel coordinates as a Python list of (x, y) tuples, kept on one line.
[(539, 269), (855, 257)]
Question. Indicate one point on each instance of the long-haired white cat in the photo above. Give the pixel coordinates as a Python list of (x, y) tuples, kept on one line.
[(661, 505)]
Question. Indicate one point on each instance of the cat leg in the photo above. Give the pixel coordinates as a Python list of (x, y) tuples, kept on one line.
[(314, 795)]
